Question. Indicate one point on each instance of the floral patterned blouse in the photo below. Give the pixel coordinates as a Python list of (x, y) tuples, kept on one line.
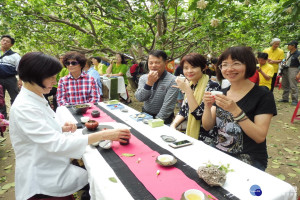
[(207, 137)]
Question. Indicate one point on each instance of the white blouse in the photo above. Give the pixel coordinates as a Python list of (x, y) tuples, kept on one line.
[(42, 151)]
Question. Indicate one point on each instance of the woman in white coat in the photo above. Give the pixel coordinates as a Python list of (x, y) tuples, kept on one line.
[(42, 150)]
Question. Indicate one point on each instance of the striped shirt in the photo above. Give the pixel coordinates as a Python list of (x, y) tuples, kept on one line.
[(73, 91), (160, 99)]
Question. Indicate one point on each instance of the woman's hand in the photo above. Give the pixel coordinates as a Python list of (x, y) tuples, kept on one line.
[(110, 134), (119, 134), (208, 100), (183, 85), (227, 104), (69, 127)]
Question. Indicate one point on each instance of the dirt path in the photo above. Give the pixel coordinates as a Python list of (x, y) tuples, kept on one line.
[(283, 142)]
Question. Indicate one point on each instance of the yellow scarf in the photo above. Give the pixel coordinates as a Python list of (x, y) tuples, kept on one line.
[(193, 125)]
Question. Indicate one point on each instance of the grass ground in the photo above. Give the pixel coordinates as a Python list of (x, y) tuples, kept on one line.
[(283, 143)]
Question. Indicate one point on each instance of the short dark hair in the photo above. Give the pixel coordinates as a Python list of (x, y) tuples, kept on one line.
[(97, 58), (79, 57), (34, 67), (158, 54), (12, 40), (262, 55), (194, 59), (242, 54)]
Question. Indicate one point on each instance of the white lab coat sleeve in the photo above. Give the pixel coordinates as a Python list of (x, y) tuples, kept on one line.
[(43, 129)]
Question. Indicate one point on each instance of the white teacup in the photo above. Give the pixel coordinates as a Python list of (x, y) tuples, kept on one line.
[(194, 194), (214, 93), (182, 78), (84, 119)]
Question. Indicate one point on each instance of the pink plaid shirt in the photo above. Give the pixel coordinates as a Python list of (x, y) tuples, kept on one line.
[(71, 91)]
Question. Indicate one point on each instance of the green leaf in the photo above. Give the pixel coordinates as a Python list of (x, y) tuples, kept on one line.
[(2, 191), (281, 177), (165, 198), (128, 154), (275, 166), (4, 158), (112, 179), (292, 164), (8, 167), (288, 150), (296, 170), (3, 179), (292, 175), (2, 139), (210, 197), (8, 185)]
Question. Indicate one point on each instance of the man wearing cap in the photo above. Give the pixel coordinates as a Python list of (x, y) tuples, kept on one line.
[(276, 55), (9, 62), (290, 74)]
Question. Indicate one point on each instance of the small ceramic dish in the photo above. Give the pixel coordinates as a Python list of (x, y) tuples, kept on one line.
[(193, 194), (84, 119), (95, 113), (166, 160), (80, 109), (105, 144)]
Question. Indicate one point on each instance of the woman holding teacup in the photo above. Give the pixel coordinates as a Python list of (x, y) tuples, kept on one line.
[(243, 114), (194, 86), (43, 152)]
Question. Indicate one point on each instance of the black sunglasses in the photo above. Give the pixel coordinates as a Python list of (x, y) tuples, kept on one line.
[(71, 63)]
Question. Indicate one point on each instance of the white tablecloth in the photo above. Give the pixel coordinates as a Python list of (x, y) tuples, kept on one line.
[(121, 86), (238, 182)]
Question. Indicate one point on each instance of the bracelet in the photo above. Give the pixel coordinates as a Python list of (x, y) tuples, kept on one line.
[(243, 119), (240, 116)]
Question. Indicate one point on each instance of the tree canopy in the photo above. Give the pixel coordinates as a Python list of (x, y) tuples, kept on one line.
[(135, 27)]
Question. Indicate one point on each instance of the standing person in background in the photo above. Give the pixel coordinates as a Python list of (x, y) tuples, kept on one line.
[(155, 88), (98, 66), (93, 73), (289, 74), (9, 62), (275, 57), (77, 87), (243, 112), (118, 67), (266, 71)]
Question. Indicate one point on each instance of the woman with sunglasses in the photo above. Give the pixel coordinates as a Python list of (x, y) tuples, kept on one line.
[(243, 112), (43, 150), (77, 87)]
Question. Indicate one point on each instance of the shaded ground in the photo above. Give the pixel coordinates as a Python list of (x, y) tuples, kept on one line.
[(282, 140)]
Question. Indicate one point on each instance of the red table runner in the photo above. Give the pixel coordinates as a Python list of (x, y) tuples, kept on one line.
[(171, 182)]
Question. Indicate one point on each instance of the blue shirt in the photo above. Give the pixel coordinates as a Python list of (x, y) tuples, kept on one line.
[(92, 72)]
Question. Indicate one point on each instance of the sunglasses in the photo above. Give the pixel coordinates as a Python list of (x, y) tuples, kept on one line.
[(71, 63)]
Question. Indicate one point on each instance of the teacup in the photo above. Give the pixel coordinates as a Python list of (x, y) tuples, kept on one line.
[(182, 78), (84, 119), (214, 93), (194, 194)]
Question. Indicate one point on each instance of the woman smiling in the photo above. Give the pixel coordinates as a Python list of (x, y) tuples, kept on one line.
[(194, 87), (243, 114)]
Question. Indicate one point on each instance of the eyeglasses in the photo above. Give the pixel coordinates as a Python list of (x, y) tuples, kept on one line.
[(71, 63), (234, 65)]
